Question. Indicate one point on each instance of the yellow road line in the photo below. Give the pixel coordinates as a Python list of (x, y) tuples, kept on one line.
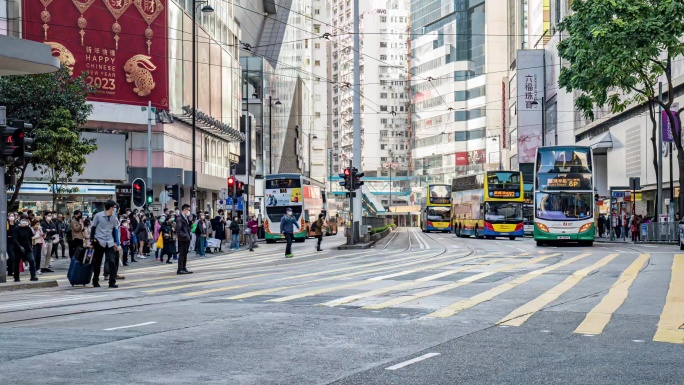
[(367, 281), (454, 285), (353, 274), (671, 325), (408, 285), (454, 308), (597, 319), (520, 315)]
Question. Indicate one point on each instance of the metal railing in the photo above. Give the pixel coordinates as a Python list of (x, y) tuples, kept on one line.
[(659, 232)]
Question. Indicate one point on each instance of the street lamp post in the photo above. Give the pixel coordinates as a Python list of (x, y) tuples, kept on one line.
[(497, 139), (311, 135), (205, 9), (270, 131)]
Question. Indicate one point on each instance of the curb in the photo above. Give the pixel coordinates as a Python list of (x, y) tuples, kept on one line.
[(361, 246), (28, 285)]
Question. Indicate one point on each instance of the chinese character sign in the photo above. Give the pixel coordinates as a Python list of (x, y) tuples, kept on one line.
[(530, 96), (120, 44)]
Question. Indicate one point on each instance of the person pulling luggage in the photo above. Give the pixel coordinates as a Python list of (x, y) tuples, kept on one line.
[(104, 239)]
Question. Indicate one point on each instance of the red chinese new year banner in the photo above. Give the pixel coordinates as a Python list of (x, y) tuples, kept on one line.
[(121, 44)]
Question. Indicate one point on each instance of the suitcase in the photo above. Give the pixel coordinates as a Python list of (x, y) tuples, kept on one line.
[(79, 273), (213, 243)]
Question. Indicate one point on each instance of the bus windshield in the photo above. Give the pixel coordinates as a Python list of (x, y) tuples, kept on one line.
[(577, 160), (439, 214), (440, 194), (503, 212), (563, 206)]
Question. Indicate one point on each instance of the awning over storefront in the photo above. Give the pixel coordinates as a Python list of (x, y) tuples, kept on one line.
[(72, 189), (402, 210), (24, 57), (600, 143)]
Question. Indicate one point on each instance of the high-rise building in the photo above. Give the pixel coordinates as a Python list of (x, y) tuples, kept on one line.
[(458, 62), (384, 51)]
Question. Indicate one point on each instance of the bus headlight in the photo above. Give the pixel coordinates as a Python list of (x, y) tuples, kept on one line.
[(585, 227), (542, 227)]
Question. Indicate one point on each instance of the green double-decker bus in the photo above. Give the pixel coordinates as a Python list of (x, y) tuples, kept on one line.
[(564, 195)]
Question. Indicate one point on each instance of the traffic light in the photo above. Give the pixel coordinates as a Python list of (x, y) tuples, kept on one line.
[(172, 190), (356, 178), (15, 142), (231, 186), (346, 179), (240, 189), (150, 196), (139, 192)]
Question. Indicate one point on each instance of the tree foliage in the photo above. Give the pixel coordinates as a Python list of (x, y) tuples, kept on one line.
[(39, 100), (618, 51), (60, 151)]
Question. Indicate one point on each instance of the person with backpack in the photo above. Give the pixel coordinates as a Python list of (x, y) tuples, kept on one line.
[(234, 234), (318, 229), (22, 237), (287, 225)]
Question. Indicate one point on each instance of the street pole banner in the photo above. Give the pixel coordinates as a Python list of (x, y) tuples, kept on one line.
[(121, 44), (667, 134), (530, 99)]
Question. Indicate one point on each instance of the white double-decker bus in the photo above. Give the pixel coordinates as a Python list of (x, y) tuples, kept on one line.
[(564, 207)]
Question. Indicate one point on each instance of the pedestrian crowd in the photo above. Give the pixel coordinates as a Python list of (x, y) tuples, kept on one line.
[(624, 225), (114, 239)]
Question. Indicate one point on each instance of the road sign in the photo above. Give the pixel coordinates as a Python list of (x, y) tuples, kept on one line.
[(156, 207), (618, 194), (223, 194), (257, 205), (164, 197)]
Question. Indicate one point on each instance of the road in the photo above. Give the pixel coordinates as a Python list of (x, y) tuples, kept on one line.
[(416, 309)]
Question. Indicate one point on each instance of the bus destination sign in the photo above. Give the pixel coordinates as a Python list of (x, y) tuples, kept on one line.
[(564, 182), (440, 200), (503, 194)]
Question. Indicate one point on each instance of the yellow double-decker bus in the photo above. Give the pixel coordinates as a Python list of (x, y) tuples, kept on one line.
[(435, 208), (488, 204)]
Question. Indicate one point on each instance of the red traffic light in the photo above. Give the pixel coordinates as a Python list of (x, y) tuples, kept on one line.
[(231, 181), (136, 186), (347, 171)]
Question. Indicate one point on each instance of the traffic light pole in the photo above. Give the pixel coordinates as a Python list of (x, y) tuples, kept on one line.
[(3, 211), (357, 225), (352, 217)]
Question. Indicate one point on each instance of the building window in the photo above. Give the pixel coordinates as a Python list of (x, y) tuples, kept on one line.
[(383, 95), (383, 146), (317, 28), (317, 11), (383, 57), (317, 63), (383, 108), (317, 45), (383, 19), (383, 44)]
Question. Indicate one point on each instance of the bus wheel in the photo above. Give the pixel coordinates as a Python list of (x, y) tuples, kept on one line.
[(540, 243), (511, 238), (269, 241), (300, 240), (588, 243)]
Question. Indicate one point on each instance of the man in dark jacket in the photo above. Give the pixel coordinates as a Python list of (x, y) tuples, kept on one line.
[(23, 249), (184, 237), (318, 228), (50, 230), (287, 225), (218, 224)]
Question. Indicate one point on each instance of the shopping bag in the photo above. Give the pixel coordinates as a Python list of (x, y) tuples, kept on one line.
[(160, 242)]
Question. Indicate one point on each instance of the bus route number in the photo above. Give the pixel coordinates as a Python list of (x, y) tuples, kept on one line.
[(564, 182)]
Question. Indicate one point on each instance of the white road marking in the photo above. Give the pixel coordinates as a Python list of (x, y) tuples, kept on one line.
[(638, 341), (413, 361), (130, 326), (48, 301)]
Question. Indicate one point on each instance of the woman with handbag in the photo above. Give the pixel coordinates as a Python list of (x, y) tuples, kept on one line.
[(38, 253), (141, 235), (157, 229)]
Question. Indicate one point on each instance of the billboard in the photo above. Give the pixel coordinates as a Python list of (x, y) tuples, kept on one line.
[(530, 97), (121, 44), (466, 158)]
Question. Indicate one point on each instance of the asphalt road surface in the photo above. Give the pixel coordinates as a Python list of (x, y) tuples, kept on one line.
[(415, 309)]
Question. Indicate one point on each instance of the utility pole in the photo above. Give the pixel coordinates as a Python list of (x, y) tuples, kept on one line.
[(357, 225), (150, 110), (3, 209)]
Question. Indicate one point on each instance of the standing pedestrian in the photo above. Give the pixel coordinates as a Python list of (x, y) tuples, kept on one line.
[(50, 230), (218, 224), (601, 225), (234, 234), (287, 224), (157, 229), (23, 246), (11, 258), (201, 232), (125, 237), (318, 229), (141, 234), (39, 248), (168, 233), (253, 227), (77, 235), (104, 238), (61, 232), (183, 234)]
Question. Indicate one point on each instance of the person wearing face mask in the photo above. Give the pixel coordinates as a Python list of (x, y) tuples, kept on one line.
[(253, 226), (141, 234), (77, 235), (234, 234), (201, 232), (183, 235), (23, 246), (39, 247), (50, 230), (61, 226), (125, 237), (169, 235), (105, 239), (287, 225)]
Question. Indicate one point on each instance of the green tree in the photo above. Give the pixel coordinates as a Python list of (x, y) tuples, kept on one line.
[(618, 51), (61, 152), (36, 98)]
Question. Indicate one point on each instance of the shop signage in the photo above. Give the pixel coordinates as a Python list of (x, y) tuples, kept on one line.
[(121, 44), (73, 189), (233, 158), (124, 190), (530, 94)]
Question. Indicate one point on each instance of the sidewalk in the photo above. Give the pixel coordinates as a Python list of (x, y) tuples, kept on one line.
[(628, 241)]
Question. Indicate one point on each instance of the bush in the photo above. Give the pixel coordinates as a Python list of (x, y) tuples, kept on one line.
[(383, 228)]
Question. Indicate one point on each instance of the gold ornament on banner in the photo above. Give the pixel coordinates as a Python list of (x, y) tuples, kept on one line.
[(82, 6), (117, 8), (45, 16), (64, 55), (139, 72), (149, 9)]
